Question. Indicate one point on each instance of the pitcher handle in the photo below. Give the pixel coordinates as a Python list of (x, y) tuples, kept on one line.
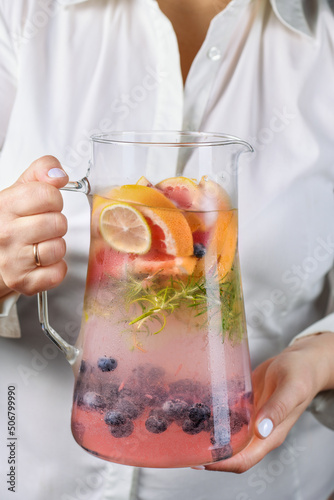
[(70, 352)]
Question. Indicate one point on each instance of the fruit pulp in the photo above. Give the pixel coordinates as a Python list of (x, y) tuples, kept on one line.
[(163, 378)]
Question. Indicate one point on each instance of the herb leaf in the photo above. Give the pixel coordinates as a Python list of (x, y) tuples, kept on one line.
[(158, 297)]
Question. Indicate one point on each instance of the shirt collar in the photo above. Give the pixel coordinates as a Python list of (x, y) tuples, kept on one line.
[(290, 12)]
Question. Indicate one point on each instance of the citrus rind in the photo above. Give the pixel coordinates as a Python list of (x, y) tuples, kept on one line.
[(125, 229)]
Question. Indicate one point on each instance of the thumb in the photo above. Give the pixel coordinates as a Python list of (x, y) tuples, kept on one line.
[(276, 410), (46, 169)]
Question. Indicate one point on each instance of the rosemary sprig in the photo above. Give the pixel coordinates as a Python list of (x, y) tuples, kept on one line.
[(217, 301)]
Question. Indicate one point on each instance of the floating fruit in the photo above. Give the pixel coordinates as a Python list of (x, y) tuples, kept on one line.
[(143, 195), (107, 364), (181, 190), (175, 234), (165, 265), (142, 181), (228, 247), (185, 194), (125, 229), (221, 243), (106, 262), (214, 196)]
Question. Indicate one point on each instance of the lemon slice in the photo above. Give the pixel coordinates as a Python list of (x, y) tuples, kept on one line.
[(125, 229)]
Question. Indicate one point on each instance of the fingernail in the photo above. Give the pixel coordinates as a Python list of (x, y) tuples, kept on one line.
[(198, 467), (265, 427), (56, 172)]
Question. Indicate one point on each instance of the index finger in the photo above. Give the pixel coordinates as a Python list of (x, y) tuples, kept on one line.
[(32, 198)]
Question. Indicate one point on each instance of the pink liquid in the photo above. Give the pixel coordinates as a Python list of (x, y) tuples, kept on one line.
[(179, 363), (177, 397)]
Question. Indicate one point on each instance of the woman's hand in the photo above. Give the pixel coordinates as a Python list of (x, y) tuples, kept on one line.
[(284, 386), (31, 214)]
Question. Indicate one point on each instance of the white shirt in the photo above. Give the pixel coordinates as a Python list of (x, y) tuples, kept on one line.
[(265, 73)]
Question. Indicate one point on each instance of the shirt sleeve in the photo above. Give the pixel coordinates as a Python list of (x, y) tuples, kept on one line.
[(8, 66), (9, 322), (322, 406)]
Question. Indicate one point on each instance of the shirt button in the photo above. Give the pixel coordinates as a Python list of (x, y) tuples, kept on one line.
[(214, 54)]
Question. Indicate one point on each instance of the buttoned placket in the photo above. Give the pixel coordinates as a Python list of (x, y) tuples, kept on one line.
[(206, 64)]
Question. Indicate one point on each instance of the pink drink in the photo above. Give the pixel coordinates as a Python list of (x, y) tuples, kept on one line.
[(165, 389)]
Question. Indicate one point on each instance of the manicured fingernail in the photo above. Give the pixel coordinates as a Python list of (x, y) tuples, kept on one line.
[(198, 467), (265, 427), (56, 172)]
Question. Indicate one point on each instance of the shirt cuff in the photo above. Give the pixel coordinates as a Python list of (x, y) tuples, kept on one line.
[(322, 406), (9, 321), (326, 324)]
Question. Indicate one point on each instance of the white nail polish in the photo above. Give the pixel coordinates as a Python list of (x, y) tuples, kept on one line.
[(198, 467), (56, 172), (265, 427)]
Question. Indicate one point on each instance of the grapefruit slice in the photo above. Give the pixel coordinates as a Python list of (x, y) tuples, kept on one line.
[(181, 190), (185, 194), (125, 229), (175, 234), (105, 262)]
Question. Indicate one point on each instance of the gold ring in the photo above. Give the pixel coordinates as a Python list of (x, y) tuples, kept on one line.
[(36, 255)]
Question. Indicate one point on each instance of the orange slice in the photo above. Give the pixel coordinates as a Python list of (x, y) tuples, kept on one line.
[(228, 247), (221, 246), (125, 229), (142, 181), (143, 195)]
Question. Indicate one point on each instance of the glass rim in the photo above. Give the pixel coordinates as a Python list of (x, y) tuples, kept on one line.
[(211, 138)]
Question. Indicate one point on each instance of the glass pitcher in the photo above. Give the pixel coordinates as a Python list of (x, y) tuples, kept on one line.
[(161, 365)]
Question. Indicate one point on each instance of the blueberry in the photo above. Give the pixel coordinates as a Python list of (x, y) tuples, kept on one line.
[(107, 364), (119, 431), (199, 250), (128, 408), (115, 418), (175, 408), (238, 419), (128, 392), (111, 392), (199, 412), (192, 428), (92, 400), (156, 424)]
